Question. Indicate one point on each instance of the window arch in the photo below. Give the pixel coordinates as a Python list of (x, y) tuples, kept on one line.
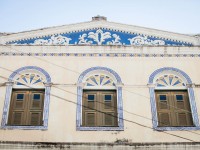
[(171, 93), (93, 83), (27, 94)]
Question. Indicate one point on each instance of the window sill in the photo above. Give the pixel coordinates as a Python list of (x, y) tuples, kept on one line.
[(176, 128), (100, 128), (25, 127)]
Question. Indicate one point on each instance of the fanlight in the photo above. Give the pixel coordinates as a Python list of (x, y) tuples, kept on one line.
[(169, 80), (29, 79), (99, 80)]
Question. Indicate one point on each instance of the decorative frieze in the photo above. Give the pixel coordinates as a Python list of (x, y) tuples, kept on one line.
[(99, 36)]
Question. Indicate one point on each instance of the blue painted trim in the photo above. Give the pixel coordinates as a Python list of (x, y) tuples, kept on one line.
[(8, 98), (119, 102), (98, 54), (191, 99), (48, 78)]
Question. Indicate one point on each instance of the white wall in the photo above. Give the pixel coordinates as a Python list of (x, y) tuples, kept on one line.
[(134, 72)]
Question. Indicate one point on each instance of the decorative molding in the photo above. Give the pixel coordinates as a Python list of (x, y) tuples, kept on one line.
[(54, 40), (29, 79), (9, 87), (177, 72), (169, 80), (99, 36), (85, 26), (99, 80), (42, 71), (98, 54), (79, 101), (144, 40)]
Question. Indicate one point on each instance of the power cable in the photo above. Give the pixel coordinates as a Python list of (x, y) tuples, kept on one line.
[(115, 116)]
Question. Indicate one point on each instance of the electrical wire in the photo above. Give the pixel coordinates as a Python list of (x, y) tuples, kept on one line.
[(115, 115), (63, 67)]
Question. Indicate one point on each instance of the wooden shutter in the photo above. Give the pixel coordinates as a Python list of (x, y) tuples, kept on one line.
[(89, 108), (26, 108), (177, 112), (90, 119), (99, 108), (17, 118), (164, 119), (163, 108), (35, 118), (35, 110), (17, 112), (108, 106), (182, 108)]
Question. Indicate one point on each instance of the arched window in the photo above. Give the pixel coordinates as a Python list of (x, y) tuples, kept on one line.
[(27, 99), (172, 100), (99, 104)]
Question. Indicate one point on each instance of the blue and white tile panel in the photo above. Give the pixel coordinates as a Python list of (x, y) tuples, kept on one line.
[(191, 99), (119, 101), (9, 93), (97, 54), (100, 36)]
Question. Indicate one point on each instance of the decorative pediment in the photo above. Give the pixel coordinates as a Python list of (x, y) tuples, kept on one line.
[(99, 36)]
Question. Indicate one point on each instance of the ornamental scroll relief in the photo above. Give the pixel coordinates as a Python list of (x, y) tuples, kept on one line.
[(99, 37)]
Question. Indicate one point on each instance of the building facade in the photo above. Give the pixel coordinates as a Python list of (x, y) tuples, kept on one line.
[(99, 84)]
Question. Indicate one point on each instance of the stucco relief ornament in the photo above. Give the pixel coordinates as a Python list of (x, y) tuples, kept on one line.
[(116, 40), (99, 36), (54, 40), (143, 40)]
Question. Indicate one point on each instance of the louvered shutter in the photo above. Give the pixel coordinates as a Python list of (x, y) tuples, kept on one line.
[(164, 119), (99, 108), (26, 108), (35, 111), (90, 119), (109, 108), (177, 112), (182, 108), (163, 108), (17, 112), (89, 108)]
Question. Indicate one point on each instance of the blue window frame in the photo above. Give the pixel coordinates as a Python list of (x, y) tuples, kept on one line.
[(153, 86), (9, 87), (80, 89)]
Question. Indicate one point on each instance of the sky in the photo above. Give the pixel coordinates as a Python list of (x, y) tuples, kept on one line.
[(181, 16)]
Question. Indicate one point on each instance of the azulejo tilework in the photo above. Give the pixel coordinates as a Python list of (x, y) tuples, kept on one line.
[(98, 54), (119, 100), (18, 74), (153, 80), (99, 36)]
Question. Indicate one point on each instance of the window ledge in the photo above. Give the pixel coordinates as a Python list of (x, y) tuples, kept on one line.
[(176, 128), (100, 128), (25, 127)]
